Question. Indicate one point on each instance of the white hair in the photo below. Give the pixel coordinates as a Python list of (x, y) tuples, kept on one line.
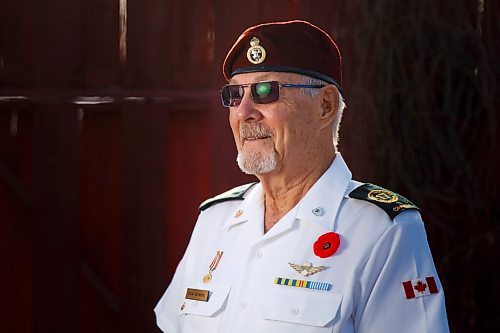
[(340, 109)]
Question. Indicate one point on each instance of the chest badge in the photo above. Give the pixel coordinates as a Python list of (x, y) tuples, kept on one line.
[(326, 245), (325, 286), (307, 268), (213, 266)]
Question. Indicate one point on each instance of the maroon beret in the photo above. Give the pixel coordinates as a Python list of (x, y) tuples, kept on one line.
[(293, 46)]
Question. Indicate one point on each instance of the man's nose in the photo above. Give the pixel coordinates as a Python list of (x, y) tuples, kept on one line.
[(247, 111)]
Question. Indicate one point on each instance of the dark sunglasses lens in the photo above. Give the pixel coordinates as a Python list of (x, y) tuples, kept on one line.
[(231, 95), (265, 92)]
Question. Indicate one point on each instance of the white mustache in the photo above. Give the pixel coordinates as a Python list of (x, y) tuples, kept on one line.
[(253, 130)]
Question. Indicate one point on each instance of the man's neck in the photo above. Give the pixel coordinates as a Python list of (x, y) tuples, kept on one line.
[(284, 188)]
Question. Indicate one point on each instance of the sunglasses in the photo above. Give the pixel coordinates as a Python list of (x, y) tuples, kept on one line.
[(262, 92)]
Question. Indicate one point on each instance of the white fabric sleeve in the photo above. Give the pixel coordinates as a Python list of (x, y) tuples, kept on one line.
[(401, 254), (167, 309)]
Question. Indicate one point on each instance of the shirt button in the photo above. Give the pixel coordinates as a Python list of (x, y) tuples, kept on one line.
[(259, 255), (295, 311), (243, 305)]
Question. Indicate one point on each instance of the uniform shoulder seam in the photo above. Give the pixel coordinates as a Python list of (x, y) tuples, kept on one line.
[(236, 193), (390, 202)]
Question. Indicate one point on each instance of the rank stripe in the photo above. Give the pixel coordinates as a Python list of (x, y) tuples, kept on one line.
[(303, 284)]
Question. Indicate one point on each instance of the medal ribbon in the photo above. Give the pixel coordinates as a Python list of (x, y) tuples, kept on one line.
[(216, 261), (303, 284)]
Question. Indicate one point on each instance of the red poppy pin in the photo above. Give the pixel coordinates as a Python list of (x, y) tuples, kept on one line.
[(326, 245)]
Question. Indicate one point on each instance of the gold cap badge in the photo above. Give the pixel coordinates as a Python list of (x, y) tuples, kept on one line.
[(256, 54)]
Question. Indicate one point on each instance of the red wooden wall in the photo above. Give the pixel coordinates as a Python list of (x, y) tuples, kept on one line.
[(98, 196)]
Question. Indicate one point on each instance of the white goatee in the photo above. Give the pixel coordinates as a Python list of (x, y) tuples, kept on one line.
[(256, 162)]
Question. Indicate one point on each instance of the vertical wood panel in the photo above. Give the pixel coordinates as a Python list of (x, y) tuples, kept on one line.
[(16, 228), (99, 44), (101, 229), (17, 43), (149, 63), (188, 183), (58, 43), (145, 196), (55, 244)]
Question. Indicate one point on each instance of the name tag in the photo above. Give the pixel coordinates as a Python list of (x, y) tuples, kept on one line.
[(197, 294)]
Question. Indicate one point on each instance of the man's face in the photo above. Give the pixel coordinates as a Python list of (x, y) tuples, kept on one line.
[(275, 136)]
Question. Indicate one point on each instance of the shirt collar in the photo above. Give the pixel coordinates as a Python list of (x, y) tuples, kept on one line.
[(251, 208), (319, 205)]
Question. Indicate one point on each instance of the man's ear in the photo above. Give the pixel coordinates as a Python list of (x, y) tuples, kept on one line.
[(329, 104)]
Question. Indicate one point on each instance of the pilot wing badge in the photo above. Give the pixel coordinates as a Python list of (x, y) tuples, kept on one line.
[(307, 269)]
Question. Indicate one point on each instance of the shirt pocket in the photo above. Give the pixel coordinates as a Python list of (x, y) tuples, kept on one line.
[(200, 316), (300, 306)]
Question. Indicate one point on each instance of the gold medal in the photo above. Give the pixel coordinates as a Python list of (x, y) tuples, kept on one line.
[(207, 278)]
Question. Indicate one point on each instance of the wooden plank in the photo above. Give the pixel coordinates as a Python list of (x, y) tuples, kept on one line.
[(101, 219), (16, 227), (57, 43), (55, 219), (144, 214)]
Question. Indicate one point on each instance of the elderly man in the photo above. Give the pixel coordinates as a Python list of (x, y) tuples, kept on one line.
[(306, 249)]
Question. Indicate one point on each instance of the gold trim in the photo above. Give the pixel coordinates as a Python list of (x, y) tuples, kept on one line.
[(382, 196), (404, 206)]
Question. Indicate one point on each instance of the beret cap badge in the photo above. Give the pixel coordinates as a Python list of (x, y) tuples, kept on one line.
[(256, 54)]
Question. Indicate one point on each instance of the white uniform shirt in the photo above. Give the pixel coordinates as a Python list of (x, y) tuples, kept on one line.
[(366, 274)]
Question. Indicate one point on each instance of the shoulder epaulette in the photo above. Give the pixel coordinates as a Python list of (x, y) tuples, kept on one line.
[(236, 193), (392, 203)]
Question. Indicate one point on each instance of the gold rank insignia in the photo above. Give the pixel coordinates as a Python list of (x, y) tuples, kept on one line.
[(392, 203), (256, 54), (307, 268), (382, 195)]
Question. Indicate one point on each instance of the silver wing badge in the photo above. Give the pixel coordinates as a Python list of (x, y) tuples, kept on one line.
[(307, 268)]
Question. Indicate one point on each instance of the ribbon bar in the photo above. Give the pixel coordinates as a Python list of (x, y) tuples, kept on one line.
[(303, 284)]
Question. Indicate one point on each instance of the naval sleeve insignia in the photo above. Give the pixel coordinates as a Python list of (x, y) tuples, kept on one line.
[(236, 193), (392, 203)]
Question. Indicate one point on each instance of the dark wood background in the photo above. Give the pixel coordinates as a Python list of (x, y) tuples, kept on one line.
[(98, 196)]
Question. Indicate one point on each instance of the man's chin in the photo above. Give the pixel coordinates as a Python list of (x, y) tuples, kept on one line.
[(256, 163)]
